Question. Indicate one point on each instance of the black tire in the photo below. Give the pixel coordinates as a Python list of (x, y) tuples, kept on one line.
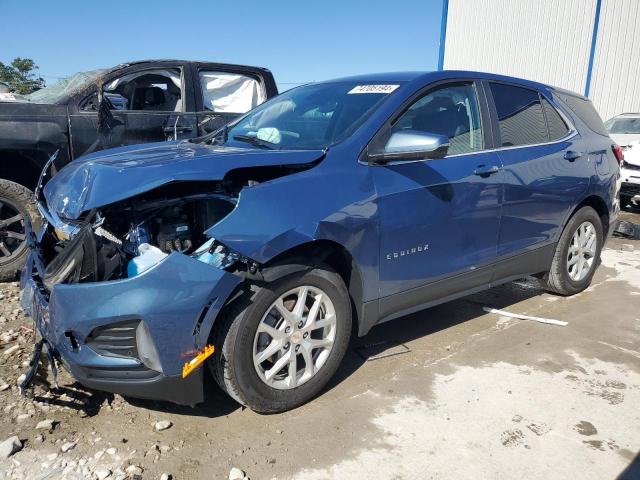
[(232, 364), (15, 198), (625, 200), (558, 279)]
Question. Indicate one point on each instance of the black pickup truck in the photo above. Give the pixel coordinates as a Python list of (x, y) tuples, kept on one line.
[(137, 102)]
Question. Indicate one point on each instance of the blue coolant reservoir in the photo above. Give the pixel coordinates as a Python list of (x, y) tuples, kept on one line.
[(149, 256)]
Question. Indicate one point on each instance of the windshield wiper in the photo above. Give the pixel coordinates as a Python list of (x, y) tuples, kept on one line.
[(253, 140), (221, 137)]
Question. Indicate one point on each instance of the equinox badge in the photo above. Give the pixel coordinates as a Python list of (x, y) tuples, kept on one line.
[(408, 251)]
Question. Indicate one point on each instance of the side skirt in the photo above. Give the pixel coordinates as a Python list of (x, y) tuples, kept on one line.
[(456, 286)]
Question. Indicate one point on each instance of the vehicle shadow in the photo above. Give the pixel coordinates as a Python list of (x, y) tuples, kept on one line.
[(216, 403), (632, 472), (76, 397), (388, 339), (383, 340)]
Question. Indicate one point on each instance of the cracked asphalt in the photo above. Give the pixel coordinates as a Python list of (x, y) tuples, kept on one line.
[(447, 393)]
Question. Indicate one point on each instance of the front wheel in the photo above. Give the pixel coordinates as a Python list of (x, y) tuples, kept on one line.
[(16, 208), (577, 253), (280, 344)]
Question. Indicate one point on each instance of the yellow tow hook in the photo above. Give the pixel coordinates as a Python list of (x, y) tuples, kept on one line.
[(205, 353)]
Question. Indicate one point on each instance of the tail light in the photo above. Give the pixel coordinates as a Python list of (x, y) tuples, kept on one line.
[(617, 151)]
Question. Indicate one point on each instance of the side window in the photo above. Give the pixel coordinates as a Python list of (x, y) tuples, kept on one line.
[(149, 90), (584, 109), (230, 92), (520, 115), (557, 127), (451, 111)]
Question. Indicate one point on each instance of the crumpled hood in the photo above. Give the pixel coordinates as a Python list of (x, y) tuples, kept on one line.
[(103, 178)]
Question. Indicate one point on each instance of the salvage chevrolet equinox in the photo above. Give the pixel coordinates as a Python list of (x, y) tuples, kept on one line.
[(260, 249)]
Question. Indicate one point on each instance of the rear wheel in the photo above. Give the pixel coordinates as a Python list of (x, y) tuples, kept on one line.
[(16, 208), (625, 200), (280, 344), (577, 253)]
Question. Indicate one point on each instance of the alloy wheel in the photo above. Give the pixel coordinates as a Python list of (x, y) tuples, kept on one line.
[(12, 232), (582, 251), (294, 338)]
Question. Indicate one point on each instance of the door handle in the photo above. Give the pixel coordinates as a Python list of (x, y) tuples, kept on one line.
[(178, 129), (572, 156), (484, 171)]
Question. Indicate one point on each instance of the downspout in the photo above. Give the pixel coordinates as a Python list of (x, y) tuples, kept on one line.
[(592, 53), (443, 33)]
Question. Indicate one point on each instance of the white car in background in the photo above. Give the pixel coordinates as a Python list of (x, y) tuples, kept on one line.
[(625, 131)]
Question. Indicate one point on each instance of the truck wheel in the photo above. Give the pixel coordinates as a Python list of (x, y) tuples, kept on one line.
[(577, 253), (625, 200), (16, 206), (280, 344)]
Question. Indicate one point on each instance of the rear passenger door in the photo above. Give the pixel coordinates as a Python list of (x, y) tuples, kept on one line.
[(543, 167)]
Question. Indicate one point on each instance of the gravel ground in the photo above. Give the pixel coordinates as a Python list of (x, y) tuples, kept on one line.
[(467, 395)]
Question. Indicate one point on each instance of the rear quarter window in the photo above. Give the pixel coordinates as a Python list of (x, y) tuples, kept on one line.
[(557, 127), (584, 109)]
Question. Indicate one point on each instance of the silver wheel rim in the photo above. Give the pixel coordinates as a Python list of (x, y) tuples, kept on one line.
[(582, 251), (294, 338)]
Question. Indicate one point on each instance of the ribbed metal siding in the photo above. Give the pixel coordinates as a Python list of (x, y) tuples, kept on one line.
[(544, 40), (615, 84)]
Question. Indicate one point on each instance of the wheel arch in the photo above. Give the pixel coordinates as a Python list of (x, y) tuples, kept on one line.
[(305, 257), (309, 255), (22, 166), (599, 205)]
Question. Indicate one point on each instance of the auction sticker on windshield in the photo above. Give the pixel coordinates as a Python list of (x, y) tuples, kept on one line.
[(373, 89)]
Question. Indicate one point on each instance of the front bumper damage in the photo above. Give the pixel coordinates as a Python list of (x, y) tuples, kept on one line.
[(132, 336)]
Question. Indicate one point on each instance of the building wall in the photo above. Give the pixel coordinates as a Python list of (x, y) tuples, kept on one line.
[(615, 83), (550, 41), (537, 40)]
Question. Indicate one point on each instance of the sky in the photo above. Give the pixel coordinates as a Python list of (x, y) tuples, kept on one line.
[(299, 41)]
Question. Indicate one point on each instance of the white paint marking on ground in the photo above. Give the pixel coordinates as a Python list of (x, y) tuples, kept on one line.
[(521, 316), (621, 349), (483, 422)]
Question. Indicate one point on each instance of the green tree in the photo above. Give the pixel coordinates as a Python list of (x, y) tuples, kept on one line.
[(21, 75)]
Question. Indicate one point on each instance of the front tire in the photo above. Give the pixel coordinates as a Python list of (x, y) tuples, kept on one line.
[(280, 344), (577, 254), (16, 208)]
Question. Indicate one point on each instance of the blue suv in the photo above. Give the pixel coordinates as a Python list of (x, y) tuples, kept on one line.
[(261, 249)]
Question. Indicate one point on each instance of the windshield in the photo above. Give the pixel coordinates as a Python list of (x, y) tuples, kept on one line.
[(309, 117), (63, 88), (623, 125)]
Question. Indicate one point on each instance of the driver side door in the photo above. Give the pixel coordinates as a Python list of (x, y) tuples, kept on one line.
[(439, 218)]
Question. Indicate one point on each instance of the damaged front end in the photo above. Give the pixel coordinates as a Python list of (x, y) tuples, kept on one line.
[(123, 282), (127, 295)]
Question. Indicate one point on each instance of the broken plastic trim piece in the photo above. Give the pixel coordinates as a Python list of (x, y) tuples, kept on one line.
[(33, 366), (205, 353), (520, 316)]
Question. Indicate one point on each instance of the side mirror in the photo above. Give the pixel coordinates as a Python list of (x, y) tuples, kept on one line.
[(410, 145)]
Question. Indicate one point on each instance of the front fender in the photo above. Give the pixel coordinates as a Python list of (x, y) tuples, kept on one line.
[(276, 216)]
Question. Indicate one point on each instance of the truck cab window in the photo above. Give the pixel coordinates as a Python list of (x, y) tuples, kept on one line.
[(149, 90), (230, 92)]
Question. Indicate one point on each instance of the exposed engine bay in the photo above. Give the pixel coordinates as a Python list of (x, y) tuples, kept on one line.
[(126, 238)]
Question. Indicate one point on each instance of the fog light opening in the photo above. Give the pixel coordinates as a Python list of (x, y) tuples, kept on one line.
[(72, 340)]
